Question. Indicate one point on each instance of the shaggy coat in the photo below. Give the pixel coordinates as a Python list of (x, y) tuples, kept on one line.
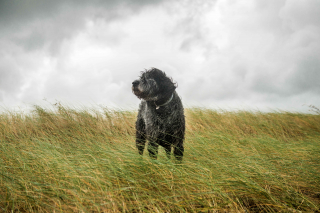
[(161, 117)]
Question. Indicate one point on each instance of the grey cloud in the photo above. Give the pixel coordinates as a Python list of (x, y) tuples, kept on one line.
[(300, 14), (10, 78), (95, 88), (297, 54), (30, 42), (285, 62), (290, 66), (15, 11), (306, 76), (303, 78), (190, 27), (263, 82), (41, 27), (33, 23)]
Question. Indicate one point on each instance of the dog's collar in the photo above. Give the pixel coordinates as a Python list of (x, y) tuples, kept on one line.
[(158, 106)]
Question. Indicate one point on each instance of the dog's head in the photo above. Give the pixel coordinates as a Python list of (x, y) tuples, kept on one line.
[(153, 85)]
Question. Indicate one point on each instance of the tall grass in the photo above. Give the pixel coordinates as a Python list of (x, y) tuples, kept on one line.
[(85, 160)]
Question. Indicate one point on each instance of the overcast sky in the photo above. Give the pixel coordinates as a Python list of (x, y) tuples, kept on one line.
[(258, 54)]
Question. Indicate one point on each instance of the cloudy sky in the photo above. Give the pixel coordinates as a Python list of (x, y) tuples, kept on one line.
[(258, 54)]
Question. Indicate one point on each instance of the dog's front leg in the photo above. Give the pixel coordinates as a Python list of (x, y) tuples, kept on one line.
[(140, 135), (153, 149), (167, 148), (178, 150)]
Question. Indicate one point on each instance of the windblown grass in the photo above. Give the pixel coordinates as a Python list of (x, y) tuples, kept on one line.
[(82, 160)]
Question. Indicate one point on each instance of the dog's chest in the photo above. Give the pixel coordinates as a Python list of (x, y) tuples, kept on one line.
[(157, 118)]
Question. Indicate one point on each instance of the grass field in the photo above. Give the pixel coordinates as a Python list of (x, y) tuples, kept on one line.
[(84, 160)]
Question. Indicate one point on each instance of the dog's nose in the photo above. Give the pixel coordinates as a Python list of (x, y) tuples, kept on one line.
[(135, 83)]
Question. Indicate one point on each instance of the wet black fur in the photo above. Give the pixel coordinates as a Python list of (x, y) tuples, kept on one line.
[(164, 126)]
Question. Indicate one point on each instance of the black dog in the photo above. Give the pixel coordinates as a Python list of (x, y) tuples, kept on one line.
[(160, 117)]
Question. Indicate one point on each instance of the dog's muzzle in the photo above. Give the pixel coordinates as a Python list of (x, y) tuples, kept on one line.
[(135, 88), (135, 83)]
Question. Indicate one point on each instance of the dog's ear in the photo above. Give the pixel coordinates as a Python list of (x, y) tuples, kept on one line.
[(168, 86)]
